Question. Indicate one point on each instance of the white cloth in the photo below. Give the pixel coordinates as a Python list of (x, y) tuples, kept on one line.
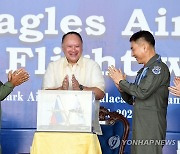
[(86, 71)]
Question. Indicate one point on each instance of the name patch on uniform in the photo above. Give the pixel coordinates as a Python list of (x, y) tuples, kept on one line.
[(156, 70)]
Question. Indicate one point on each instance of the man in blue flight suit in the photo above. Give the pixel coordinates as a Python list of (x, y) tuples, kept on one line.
[(148, 95)]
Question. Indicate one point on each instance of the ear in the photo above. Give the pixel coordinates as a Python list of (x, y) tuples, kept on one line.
[(145, 46), (62, 47)]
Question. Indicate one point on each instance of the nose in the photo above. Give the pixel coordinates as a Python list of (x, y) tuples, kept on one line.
[(73, 48)]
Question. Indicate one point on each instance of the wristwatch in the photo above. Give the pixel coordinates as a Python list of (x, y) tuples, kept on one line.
[(81, 87)]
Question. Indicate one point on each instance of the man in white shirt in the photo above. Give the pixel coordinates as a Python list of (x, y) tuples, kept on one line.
[(74, 72)]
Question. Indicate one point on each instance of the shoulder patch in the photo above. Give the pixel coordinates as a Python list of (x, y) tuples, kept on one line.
[(156, 70)]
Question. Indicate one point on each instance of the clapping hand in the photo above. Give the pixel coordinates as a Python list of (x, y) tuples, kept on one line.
[(18, 77), (75, 83), (65, 84), (116, 75), (175, 90)]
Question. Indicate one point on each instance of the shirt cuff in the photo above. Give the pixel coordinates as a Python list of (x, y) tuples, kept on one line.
[(120, 81), (9, 84)]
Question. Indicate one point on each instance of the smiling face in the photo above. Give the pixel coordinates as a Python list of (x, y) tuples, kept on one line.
[(138, 51), (142, 46), (72, 48)]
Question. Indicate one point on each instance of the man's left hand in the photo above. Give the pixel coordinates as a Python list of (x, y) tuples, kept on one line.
[(75, 83)]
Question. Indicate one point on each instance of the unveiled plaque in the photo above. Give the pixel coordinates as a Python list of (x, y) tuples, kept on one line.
[(64, 110)]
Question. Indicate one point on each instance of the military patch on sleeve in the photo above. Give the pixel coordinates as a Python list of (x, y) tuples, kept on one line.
[(156, 70)]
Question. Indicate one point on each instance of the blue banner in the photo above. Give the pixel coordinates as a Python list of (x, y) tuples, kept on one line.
[(30, 37)]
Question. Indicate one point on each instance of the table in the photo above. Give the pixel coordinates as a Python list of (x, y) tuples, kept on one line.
[(65, 143)]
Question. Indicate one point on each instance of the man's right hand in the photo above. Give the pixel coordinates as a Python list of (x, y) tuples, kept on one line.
[(65, 84)]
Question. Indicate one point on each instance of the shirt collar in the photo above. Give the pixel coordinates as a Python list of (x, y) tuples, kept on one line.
[(79, 62), (156, 57)]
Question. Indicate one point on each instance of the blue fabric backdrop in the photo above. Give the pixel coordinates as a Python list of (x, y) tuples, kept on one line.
[(30, 37)]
